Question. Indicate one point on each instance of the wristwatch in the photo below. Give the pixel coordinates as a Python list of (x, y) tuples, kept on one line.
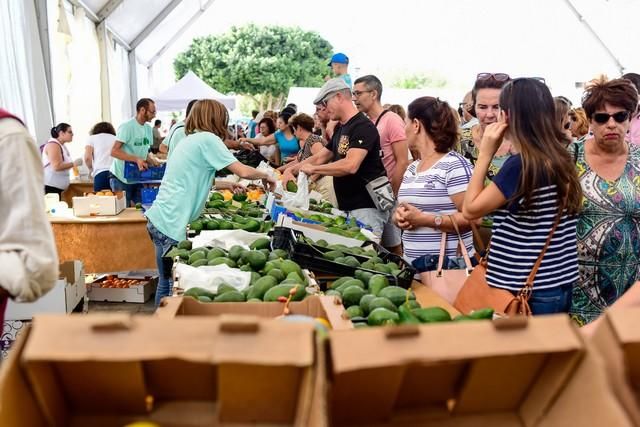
[(438, 221)]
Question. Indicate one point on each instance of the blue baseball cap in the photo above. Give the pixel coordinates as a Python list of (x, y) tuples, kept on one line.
[(339, 58)]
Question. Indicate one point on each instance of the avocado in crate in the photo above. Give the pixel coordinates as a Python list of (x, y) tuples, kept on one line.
[(340, 260)]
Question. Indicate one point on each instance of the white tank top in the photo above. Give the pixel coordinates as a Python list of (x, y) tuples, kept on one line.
[(52, 178)]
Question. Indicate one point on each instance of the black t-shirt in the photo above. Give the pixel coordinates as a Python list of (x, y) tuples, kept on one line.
[(358, 132)]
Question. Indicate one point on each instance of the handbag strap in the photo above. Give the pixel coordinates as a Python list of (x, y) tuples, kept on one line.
[(528, 286), (463, 249)]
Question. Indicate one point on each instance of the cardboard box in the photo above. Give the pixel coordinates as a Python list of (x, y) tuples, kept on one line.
[(317, 232), (111, 370), (66, 294), (319, 306), (617, 340), (99, 205), (499, 374), (138, 293)]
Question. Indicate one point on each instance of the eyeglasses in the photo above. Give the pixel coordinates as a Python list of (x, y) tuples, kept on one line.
[(619, 117), (501, 77), (565, 101), (357, 93)]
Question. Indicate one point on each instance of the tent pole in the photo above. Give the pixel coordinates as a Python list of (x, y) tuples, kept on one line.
[(43, 30), (593, 32), (105, 87), (133, 80)]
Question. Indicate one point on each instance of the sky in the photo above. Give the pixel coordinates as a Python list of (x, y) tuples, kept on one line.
[(455, 39)]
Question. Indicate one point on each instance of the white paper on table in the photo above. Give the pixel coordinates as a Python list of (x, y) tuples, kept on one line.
[(209, 277), (225, 239)]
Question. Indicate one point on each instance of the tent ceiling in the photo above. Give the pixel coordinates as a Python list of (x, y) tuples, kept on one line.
[(147, 26)]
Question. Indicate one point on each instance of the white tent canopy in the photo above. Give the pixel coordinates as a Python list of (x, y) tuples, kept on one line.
[(187, 88)]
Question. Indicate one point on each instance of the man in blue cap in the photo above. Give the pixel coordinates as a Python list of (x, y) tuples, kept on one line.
[(340, 66)]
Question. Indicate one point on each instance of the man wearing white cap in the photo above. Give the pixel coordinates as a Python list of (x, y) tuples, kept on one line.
[(355, 158)]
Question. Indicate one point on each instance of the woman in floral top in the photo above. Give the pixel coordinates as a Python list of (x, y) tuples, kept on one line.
[(609, 226)]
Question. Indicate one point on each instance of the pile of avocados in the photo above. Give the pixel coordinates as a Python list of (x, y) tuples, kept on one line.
[(273, 275), (370, 300), (247, 216)]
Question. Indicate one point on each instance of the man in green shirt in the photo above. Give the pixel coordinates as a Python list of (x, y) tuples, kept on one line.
[(133, 140)]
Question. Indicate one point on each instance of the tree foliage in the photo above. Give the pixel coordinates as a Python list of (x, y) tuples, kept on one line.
[(261, 62), (419, 81)]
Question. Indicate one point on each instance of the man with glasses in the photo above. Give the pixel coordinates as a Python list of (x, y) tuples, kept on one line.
[(133, 140), (367, 91), (352, 156)]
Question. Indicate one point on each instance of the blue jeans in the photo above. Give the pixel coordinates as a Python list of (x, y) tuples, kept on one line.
[(101, 181), (133, 190), (550, 301), (162, 244)]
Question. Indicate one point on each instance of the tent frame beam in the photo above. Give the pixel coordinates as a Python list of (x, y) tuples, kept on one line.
[(154, 23), (108, 9), (595, 35)]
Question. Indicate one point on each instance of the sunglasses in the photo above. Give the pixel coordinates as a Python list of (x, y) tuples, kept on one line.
[(619, 117), (501, 77), (565, 101), (567, 125)]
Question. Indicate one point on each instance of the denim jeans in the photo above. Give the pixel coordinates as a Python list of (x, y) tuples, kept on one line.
[(550, 301), (133, 190), (162, 243), (372, 217), (101, 181)]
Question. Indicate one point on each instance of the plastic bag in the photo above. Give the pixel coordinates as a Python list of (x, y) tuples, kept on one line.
[(209, 277), (300, 199), (225, 239)]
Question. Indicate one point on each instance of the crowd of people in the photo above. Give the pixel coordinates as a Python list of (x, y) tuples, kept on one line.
[(511, 166)]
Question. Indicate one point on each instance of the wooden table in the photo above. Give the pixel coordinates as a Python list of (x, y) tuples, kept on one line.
[(76, 188), (105, 243)]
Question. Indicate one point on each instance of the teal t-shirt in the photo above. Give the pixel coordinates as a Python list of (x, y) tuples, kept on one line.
[(176, 134), (137, 139), (347, 79), (186, 183)]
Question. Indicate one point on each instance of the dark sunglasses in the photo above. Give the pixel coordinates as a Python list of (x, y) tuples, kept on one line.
[(501, 77), (567, 125), (619, 117)]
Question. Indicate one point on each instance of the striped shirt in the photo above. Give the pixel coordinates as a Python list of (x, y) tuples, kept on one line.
[(431, 191), (519, 236)]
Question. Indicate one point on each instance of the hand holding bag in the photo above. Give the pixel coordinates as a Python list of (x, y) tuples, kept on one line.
[(448, 283), (477, 294)]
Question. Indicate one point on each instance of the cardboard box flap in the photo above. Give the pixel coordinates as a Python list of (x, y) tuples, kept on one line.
[(122, 338), (449, 342), (625, 323), (71, 271)]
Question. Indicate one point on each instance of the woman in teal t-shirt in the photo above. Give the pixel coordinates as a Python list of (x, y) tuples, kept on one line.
[(188, 179), (286, 141)]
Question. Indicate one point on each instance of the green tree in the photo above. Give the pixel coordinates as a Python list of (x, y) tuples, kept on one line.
[(419, 81), (259, 62)]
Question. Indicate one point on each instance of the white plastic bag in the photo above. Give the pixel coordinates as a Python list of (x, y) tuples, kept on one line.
[(225, 239), (299, 199), (209, 277)]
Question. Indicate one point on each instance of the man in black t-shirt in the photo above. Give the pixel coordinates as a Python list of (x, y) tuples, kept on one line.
[(352, 157)]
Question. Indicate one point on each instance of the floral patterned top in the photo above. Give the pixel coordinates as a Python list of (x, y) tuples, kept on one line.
[(608, 235)]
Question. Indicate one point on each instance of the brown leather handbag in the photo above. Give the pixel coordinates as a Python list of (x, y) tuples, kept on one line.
[(477, 294), (447, 283)]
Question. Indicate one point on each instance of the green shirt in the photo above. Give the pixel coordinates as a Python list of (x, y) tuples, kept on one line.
[(186, 183), (176, 134), (136, 139)]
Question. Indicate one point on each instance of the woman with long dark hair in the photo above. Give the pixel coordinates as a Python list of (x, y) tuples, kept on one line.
[(535, 189)]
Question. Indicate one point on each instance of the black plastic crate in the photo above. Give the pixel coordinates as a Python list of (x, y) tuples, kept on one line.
[(311, 257)]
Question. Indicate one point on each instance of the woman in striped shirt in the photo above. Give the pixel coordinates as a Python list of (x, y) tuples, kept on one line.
[(531, 190), (433, 188)]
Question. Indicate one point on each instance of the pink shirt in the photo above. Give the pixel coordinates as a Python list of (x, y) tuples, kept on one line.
[(634, 130), (391, 130)]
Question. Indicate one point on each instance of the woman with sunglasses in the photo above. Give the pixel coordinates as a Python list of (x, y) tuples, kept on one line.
[(534, 189), (609, 225)]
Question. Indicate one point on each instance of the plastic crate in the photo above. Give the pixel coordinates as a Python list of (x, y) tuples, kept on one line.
[(132, 173), (311, 257), (149, 194)]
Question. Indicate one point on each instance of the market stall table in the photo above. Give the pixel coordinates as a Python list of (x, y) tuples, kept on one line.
[(105, 243), (77, 187)]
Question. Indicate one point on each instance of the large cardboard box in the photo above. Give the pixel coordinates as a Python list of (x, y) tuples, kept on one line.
[(111, 370), (99, 205), (617, 340), (68, 291), (137, 294), (318, 306), (499, 374)]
